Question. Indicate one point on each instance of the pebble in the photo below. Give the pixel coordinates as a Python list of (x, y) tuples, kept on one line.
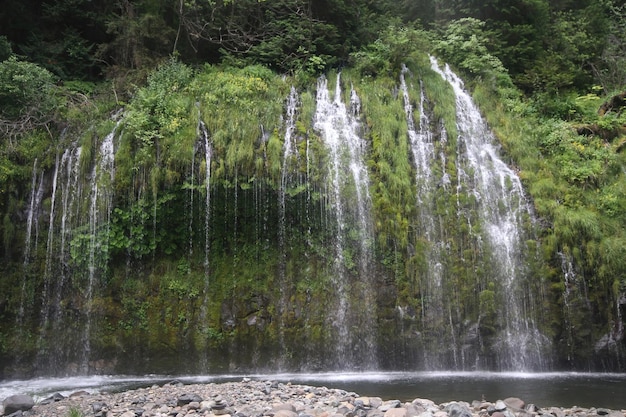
[(250, 398)]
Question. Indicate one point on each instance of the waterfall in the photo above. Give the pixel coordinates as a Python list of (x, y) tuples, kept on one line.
[(502, 207), (36, 194), (421, 140), (206, 145), (100, 207), (289, 151), (350, 202)]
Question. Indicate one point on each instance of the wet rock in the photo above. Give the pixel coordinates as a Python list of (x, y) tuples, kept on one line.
[(19, 402)]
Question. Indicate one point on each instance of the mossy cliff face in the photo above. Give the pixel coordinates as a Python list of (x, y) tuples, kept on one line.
[(182, 236)]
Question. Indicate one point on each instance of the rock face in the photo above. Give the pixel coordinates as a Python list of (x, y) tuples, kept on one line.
[(16, 403), (271, 399)]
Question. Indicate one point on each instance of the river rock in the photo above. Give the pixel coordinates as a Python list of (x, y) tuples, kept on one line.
[(499, 406), (52, 399), (515, 403), (455, 409), (188, 398), (396, 412), (285, 413), (388, 405), (19, 402)]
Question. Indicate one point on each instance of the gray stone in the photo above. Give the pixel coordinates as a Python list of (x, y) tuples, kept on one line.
[(396, 412), (375, 402), (499, 405), (515, 403), (97, 407), (375, 412), (188, 398), (455, 409), (285, 406), (388, 405), (285, 413), (19, 402), (52, 399), (412, 410)]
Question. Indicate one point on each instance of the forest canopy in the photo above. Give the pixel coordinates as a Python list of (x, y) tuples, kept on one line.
[(546, 46)]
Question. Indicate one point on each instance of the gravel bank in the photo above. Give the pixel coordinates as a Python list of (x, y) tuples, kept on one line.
[(250, 398)]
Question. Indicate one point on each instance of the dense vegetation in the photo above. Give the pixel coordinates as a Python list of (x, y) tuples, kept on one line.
[(550, 76)]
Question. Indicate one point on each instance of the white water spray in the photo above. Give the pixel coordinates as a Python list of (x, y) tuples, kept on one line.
[(350, 203), (502, 206)]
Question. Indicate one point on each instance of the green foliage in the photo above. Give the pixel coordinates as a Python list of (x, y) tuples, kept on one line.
[(74, 412), (464, 44), (393, 48), (238, 107), (26, 90), (393, 192), (5, 49)]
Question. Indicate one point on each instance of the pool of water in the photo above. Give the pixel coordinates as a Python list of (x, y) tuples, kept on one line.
[(542, 389)]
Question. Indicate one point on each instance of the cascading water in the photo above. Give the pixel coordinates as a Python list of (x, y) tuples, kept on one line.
[(36, 194), (65, 189), (204, 142), (101, 205), (421, 140), (350, 202), (287, 167), (502, 209)]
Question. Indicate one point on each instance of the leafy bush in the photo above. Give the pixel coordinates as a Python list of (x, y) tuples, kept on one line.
[(25, 88)]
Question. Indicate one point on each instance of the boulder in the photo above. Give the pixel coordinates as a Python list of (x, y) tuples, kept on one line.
[(19, 402)]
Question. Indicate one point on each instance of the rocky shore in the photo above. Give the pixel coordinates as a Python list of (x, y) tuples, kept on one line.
[(250, 398)]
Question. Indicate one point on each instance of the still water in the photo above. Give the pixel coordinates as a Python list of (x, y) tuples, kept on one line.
[(542, 389)]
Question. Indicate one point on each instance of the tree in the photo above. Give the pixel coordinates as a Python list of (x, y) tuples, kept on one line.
[(140, 35), (610, 69), (27, 97)]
